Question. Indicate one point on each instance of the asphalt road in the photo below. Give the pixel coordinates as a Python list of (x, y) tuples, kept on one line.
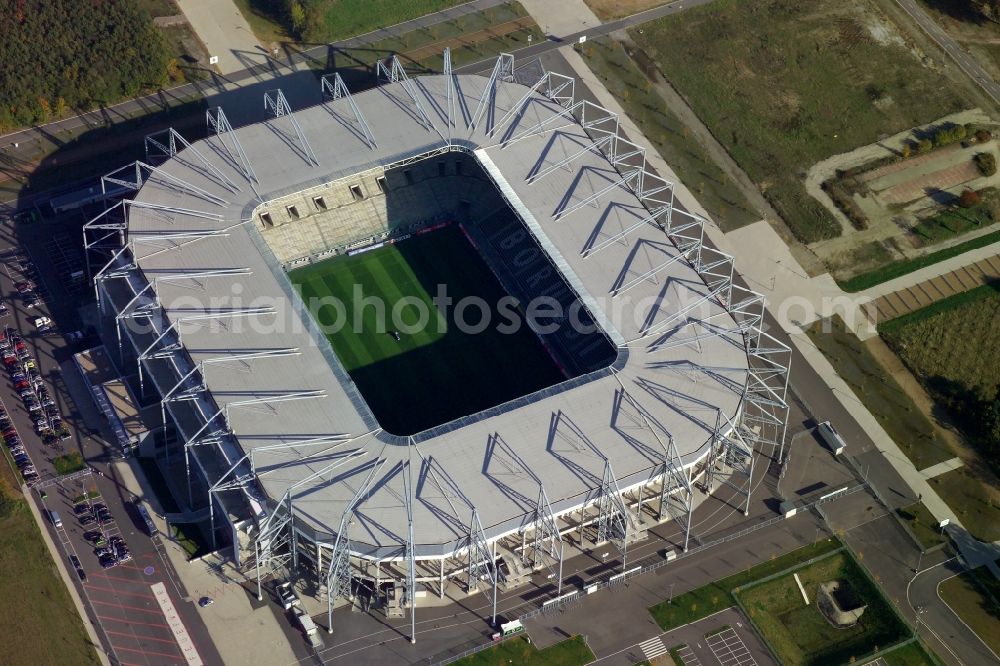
[(276, 68), (940, 622), (119, 601), (966, 62)]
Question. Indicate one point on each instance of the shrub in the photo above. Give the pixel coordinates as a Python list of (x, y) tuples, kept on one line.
[(843, 200), (924, 146), (969, 198), (983, 135), (986, 163), (906, 150)]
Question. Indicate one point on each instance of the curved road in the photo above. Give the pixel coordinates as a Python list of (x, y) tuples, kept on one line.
[(934, 615)]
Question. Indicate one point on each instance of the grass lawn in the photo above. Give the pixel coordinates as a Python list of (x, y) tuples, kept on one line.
[(923, 525), (435, 372), (40, 623), (954, 221), (339, 19), (975, 597), (335, 20), (472, 38), (190, 538), (608, 10), (715, 190), (897, 269), (952, 345), (570, 652), (974, 501), (711, 598), (911, 654), (799, 633), (264, 23), (69, 463), (912, 431), (784, 83)]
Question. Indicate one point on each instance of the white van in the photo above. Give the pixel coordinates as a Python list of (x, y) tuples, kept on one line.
[(56, 520)]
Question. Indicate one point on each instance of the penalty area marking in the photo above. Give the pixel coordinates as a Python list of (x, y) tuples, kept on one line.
[(176, 626)]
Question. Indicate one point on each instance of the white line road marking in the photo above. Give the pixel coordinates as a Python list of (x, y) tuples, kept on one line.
[(688, 656), (176, 625), (730, 649), (653, 648)]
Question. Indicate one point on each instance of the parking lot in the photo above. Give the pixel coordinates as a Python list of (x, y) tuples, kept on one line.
[(721, 639), (729, 649), (120, 595), (135, 625)]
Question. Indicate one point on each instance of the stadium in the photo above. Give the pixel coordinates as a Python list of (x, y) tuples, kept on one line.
[(395, 460)]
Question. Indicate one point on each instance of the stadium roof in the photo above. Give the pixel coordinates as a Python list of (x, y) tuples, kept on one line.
[(193, 215)]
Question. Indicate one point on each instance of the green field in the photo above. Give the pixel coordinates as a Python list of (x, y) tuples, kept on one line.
[(39, 622), (952, 345), (895, 269), (799, 633), (713, 187), (912, 431), (69, 463), (783, 84), (923, 525), (703, 601), (520, 651), (435, 372), (975, 597)]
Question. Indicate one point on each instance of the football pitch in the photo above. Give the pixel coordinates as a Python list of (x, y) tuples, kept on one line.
[(434, 372)]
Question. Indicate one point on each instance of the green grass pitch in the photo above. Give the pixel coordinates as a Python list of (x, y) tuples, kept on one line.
[(439, 372)]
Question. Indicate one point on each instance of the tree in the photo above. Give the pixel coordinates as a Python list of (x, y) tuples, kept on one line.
[(297, 16), (62, 54), (986, 163), (969, 198)]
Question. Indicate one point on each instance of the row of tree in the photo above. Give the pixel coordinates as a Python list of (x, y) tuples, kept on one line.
[(57, 55)]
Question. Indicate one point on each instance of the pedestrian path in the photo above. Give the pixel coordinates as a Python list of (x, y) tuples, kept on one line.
[(561, 17), (653, 648), (883, 442), (971, 274), (225, 32), (941, 468)]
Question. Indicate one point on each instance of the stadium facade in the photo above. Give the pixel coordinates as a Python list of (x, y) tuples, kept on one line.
[(299, 477)]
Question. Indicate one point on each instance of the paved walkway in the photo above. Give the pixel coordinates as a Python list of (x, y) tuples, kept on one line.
[(225, 32), (941, 468), (561, 17), (934, 270), (883, 442), (243, 632), (737, 646)]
